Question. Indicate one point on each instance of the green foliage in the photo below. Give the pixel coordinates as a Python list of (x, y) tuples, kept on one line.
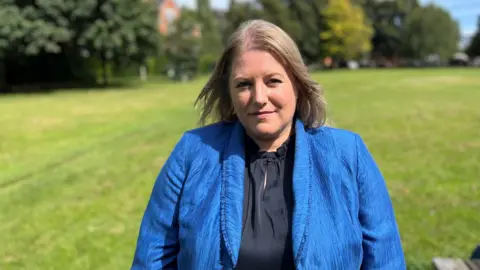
[(388, 21), (473, 49), (211, 39), (180, 42), (118, 30), (302, 20), (279, 13), (238, 13), (114, 27), (25, 30), (206, 63), (308, 15), (181, 46), (431, 30), (348, 34), (121, 34)]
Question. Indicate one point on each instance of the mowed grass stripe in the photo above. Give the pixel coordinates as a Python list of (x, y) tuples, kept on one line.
[(83, 148), (423, 130), (57, 128), (106, 180)]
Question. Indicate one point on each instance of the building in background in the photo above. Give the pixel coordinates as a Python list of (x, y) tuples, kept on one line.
[(168, 11)]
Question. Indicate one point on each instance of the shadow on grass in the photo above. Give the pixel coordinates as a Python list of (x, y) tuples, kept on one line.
[(419, 265), (124, 83)]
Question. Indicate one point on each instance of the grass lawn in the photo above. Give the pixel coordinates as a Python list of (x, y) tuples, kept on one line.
[(77, 168)]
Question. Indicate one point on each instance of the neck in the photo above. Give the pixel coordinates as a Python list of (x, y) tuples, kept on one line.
[(270, 145)]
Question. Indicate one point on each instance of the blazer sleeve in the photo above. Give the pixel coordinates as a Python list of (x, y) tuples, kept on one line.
[(382, 246), (157, 244)]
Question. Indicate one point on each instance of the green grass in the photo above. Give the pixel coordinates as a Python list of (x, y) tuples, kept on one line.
[(77, 168)]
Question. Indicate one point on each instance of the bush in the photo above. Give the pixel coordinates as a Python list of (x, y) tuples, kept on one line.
[(206, 63)]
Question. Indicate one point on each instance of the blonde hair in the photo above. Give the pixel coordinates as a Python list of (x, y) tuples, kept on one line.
[(214, 99)]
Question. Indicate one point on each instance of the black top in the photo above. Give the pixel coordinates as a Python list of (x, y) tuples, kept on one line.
[(267, 208)]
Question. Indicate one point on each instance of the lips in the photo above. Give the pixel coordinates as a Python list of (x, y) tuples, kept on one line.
[(262, 113)]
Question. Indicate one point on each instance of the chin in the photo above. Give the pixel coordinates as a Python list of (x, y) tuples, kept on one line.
[(266, 131)]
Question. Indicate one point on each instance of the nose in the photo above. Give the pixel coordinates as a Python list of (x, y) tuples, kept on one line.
[(260, 93)]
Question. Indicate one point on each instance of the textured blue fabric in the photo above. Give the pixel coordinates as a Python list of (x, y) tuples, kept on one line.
[(343, 216)]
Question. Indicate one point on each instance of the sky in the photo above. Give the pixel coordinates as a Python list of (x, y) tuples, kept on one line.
[(465, 12)]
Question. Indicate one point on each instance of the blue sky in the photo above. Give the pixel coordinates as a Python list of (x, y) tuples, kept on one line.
[(465, 12)]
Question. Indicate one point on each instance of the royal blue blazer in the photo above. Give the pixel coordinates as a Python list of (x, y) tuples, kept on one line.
[(343, 216)]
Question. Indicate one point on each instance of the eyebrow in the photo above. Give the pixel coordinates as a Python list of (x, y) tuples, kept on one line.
[(240, 77)]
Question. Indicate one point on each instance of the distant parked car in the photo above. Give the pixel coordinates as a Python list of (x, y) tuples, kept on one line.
[(459, 59), (476, 61), (352, 64), (182, 71)]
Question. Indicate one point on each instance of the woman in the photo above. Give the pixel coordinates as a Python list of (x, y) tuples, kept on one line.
[(268, 186)]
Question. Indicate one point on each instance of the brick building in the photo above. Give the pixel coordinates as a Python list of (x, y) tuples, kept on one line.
[(168, 11)]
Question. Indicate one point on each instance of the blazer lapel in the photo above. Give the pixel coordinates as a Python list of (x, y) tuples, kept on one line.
[(233, 164), (302, 190)]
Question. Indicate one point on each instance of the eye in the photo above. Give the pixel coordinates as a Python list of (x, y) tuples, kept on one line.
[(274, 82), (243, 84)]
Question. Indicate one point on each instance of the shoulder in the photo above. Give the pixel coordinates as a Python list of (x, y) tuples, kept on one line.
[(335, 137), (213, 134), (342, 144), (204, 142)]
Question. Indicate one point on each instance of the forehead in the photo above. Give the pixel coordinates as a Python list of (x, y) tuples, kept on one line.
[(256, 62)]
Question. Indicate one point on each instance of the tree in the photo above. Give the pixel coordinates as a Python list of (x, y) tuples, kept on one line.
[(302, 20), (117, 29), (182, 45), (25, 30), (311, 21), (473, 48), (431, 30), (211, 36), (278, 12), (237, 13), (105, 29), (348, 34), (388, 21)]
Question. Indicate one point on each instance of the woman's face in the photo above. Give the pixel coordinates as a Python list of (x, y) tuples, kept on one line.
[(262, 94)]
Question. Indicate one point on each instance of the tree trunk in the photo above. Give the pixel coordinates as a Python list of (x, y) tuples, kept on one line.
[(143, 72), (104, 69), (3, 79)]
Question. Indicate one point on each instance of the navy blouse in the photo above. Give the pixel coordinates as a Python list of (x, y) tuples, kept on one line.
[(267, 208)]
